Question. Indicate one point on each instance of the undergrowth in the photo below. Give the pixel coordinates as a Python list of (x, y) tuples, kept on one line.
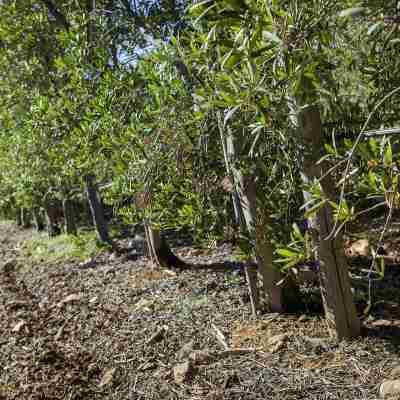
[(62, 247)]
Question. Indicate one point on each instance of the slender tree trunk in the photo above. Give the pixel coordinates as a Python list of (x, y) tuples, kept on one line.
[(239, 217), (263, 248), (229, 156), (18, 216), (251, 277), (334, 277), (37, 219), (69, 216), (53, 229), (160, 251), (151, 238), (25, 218), (96, 209)]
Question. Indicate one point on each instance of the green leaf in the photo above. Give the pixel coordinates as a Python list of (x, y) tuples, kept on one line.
[(351, 12), (271, 37), (329, 149), (286, 253), (196, 9), (238, 5), (206, 11), (372, 180), (313, 210), (388, 157), (374, 27), (230, 113), (231, 61)]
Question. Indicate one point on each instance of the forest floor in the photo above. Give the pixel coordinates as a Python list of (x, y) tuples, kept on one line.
[(117, 329)]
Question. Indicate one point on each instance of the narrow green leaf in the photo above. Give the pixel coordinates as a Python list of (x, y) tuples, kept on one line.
[(229, 114), (388, 157), (271, 37), (351, 12), (311, 211), (286, 253)]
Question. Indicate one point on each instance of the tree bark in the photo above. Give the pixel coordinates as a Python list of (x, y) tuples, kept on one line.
[(18, 217), (229, 156), (334, 277), (96, 209), (161, 252), (25, 218), (251, 278), (263, 248), (37, 219), (245, 187), (69, 216), (53, 229)]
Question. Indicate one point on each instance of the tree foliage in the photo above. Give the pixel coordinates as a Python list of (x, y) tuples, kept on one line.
[(137, 94)]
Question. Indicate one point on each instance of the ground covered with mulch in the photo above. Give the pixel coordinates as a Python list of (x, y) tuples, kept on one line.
[(115, 328)]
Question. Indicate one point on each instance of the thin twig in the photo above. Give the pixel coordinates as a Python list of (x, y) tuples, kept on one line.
[(350, 157), (375, 254), (220, 337)]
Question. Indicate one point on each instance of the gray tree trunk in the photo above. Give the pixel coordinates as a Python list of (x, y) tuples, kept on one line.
[(160, 252), (25, 218), (153, 241), (18, 216), (229, 156), (251, 277), (334, 277), (37, 219), (263, 248), (96, 209), (69, 216)]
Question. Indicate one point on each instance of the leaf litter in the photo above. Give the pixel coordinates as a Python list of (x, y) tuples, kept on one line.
[(122, 330)]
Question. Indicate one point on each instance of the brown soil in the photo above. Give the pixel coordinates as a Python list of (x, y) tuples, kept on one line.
[(122, 330)]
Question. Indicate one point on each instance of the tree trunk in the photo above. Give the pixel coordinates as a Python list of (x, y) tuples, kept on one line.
[(18, 216), (37, 219), (96, 209), (263, 248), (53, 229), (251, 278), (334, 277), (69, 216), (229, 155), (161, 252), (25, 218)]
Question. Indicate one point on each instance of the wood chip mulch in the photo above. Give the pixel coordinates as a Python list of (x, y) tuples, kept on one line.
[(122, 330)]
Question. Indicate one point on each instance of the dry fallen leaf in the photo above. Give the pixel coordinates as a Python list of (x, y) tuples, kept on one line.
[(59, 333), (144, 305), (381, 322), (182, 372), (200, 357), (389, 389), (395, 374), (358, 248), (158, 336), (276, 342), (185, 350), (70, 299), (107, 377), (17, 327)]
